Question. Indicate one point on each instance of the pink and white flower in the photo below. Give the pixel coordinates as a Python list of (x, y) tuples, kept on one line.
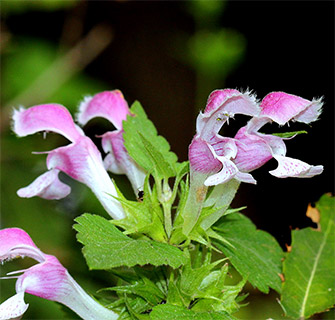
[(47, 279), (112, 106), (222, 159), (81, 159)]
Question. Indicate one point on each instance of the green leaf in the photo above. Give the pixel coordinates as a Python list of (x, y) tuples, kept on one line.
[(309, 267), (145, 289), (145, 146), (289, 134), (143, 216), (169, 312), (158, 162), (174, 296), (129, 308), (215, 295), (106, 247), (254, 253)]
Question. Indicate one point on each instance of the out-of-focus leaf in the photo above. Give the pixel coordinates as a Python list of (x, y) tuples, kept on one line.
[(106, 247), (215, 53), (27, 59), (10, 7), (254, 253), (309, 267)]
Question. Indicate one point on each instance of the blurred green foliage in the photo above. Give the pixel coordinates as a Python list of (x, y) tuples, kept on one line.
[(17, 6), (26, 59)]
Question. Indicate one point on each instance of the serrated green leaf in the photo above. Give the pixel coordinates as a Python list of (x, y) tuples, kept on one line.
[(215, 295), (169, 312), (162, 167), (309, 271), (144, 145), (254, 253), (144, 288), (106, 247), (130, 308)]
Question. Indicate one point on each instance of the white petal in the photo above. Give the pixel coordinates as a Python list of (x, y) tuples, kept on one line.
[(14, 307), (289, 167), (46, 186)]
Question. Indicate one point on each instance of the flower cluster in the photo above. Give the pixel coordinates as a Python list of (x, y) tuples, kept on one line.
[(222, 159), (214, 160), (81, 160)]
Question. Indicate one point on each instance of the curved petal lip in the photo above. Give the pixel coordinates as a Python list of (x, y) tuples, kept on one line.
[(45, 117), (47, 186), (282, 107), (110, 105)]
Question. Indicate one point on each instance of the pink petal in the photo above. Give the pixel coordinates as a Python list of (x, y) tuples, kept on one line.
[(253, 151), (46, 186), (110, 105), (223, 104), (282, 107), (224, 146), (232, 101), (289, 167), (118, 160), (201, 157), (45, 279), (46, 117), (82, 161), (311, 113), (15, 242), (14, 307), (228, 172), (50, 280)]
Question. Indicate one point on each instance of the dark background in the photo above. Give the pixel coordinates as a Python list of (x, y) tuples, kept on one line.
[(289, 47)]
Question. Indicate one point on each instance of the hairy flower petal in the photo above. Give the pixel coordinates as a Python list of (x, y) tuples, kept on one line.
[(15, 242), (45, 117), (282, 107), (110, 105), (222, 105)]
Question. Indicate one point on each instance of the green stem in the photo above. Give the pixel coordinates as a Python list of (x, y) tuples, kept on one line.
[(194, 202)]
